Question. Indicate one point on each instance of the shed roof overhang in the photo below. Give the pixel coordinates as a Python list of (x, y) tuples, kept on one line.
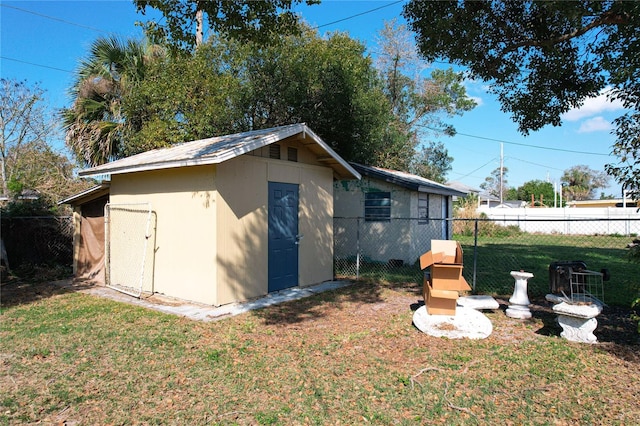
[(87, 195), (219, 149), (408, 181)]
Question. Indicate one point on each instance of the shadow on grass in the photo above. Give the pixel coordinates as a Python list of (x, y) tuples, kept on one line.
[(16, 292), (320, 305), (616, 332)]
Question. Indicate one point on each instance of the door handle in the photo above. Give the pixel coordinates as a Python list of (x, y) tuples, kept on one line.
[(298, 238)]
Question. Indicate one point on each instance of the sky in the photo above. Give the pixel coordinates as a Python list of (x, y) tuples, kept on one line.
[(43, 42)]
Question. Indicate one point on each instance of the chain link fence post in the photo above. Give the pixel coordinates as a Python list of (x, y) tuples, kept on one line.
[(358, 251), (475, 253)]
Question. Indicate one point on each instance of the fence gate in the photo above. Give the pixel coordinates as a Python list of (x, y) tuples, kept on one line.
[(129, 247)]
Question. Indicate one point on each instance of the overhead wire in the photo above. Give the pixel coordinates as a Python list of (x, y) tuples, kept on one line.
[(359, 14), (534, 164), (34, 64), (317, 27), (522, 144), (475, 170), (53, 18)]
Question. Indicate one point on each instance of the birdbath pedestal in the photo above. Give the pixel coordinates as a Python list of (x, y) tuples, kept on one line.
[(519, 307)]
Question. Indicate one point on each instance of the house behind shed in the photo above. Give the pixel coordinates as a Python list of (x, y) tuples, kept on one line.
[(224, 219), (390, 216)]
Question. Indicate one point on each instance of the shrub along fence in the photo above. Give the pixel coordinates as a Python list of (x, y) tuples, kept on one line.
[(492, 249), (31, 241)]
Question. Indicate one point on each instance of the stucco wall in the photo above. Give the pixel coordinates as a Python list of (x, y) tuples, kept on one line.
[(183, 200), (211, 239), (316, 225), (242, 217), (404, 237), (349, 198)]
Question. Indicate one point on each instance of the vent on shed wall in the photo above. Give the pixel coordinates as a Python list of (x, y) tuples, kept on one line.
[(274, 151), (292, 154)]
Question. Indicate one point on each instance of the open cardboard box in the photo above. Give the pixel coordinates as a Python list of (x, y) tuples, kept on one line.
[(441, 289), (440, 302), (445, 263)]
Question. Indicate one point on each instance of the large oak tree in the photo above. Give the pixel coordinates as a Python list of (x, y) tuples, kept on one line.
[(543, 58), (243, 20)]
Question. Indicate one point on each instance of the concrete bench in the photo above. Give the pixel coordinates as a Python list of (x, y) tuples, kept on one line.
[(578, 321)]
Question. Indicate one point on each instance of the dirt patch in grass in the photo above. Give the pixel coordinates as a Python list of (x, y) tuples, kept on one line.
[(349, 356)]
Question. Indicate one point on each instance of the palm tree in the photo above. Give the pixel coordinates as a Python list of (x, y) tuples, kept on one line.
[(582, 181), (96, 124)]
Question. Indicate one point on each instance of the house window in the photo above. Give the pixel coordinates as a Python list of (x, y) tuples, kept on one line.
[(423, 208), (292, 154), (377, 206), (274, 151)]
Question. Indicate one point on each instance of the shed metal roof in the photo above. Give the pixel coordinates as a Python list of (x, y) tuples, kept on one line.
[(407, 180), (87, 195), (219, 149)]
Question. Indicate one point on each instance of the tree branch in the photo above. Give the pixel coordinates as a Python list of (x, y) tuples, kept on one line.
[(608, 18), (413, 379)]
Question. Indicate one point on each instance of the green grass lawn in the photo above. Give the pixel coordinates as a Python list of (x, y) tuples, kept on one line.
[(350, 356), (534, 253), (496, 257)]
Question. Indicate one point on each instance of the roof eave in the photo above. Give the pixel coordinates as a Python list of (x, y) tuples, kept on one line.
[(344, 165), (413, 186), (342, 168), (88, 194), (441, 191)]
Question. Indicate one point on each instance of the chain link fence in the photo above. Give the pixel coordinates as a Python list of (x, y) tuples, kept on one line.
[(38, 240), (386, 251), (492, 249)]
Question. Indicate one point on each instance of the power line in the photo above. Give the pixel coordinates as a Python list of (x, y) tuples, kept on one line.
[(534, 146), (473, 171), (106, 32), (34, 64), (53, 18), (522, 144), (546, 166), (358, 14)]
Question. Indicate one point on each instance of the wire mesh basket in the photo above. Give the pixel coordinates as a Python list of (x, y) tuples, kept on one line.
[(574, 283), (586, 287)]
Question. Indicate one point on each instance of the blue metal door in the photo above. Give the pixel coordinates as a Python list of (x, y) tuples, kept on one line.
[(283, 236)]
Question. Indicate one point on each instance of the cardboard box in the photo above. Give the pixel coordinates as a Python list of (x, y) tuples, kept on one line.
[(430, 258), (448, 277), (442, 251), (451, 250), (440, 292), (440, 302)]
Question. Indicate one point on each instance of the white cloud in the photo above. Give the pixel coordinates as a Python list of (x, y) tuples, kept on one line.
[(593, 106), (477, 99), (595, 124)]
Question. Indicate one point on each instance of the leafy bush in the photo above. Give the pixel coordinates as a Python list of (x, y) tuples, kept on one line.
[(27, 208), (634, 256), (466, 209)]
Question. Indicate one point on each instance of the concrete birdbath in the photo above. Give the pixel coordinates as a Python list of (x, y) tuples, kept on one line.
[(519, 307)]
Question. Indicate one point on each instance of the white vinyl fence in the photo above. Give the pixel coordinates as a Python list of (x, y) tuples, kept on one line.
[(572, 221)]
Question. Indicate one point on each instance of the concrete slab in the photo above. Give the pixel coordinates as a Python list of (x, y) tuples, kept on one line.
[(466, 323), (479, 302), (200, 312)]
